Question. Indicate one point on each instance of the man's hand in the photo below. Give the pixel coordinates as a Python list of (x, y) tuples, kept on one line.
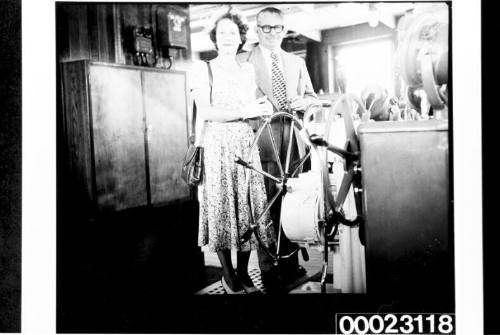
[(298, 104)]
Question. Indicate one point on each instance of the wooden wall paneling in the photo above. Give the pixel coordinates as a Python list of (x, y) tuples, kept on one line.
[(118, 132), (117, 35), (93, 31), (184, 55), (62, 40), (77, 131), (101, 30), (128, 14), (165, 105), (154, 25), (78, 32), (106, 31)]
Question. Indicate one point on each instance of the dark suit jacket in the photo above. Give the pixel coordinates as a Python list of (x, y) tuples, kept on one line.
[(298, 83)]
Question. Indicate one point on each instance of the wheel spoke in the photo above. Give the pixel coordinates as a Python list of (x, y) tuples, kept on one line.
[(289, 149), (248, 165), (249, 199), (342, 153), (275, 149), (265, 174), (279, 232), (269, 204), (302, 161), (344, 189)]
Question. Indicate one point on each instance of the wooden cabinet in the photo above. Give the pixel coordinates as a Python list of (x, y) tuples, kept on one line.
[(125, 130)]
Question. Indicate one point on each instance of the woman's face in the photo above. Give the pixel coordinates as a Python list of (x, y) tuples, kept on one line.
[(227, 36)]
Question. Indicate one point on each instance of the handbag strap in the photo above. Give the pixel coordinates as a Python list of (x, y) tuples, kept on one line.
[(210, 79), (193, 119)]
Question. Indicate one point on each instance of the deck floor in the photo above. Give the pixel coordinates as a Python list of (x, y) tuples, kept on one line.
[(314, 264), (307, 284)]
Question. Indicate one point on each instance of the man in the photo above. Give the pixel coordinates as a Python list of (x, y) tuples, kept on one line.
[(284, 79)]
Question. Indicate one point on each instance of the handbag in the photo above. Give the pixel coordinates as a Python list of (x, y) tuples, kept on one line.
[(192, 167)]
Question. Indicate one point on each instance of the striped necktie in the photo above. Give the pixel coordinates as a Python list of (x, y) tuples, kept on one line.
[(278, 82)]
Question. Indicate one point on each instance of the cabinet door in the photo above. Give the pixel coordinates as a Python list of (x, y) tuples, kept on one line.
[(166, 117), (118, 132)]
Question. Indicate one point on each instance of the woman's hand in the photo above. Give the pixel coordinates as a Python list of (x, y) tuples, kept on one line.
[(259, 107)]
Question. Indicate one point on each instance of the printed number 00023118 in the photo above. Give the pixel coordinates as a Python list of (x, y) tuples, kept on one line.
[(398, 323)]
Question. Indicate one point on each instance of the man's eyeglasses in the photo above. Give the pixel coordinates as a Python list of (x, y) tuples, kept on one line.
[(267, 28)]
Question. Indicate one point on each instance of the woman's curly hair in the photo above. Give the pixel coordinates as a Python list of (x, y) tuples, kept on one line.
[(236, 18)]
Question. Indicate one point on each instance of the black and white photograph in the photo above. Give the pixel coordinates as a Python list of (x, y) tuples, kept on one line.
[(264, 151), (256, 167)]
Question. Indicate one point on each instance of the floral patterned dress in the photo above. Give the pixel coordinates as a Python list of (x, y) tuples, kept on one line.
[(224, 208)]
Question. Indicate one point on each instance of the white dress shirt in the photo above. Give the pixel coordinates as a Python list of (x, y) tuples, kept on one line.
[(268, 60)]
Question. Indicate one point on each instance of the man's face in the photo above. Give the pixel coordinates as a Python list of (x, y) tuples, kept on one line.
[(271, 40)]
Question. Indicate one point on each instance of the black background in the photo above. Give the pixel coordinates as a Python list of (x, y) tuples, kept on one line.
[(490, 27), (10, 199), (10, 166)]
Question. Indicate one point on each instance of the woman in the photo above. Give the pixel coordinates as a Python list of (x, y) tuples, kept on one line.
[(223, 105)]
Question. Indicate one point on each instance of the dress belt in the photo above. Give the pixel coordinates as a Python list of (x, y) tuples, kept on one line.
[(231, 121)]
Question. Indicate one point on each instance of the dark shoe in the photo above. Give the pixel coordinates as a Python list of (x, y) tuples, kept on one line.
[(300, 271), (290, 275), (228, 290), (248, 284), (272, 283), (250, 289)]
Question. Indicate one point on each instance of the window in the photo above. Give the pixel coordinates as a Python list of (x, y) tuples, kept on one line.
[(357, 65)]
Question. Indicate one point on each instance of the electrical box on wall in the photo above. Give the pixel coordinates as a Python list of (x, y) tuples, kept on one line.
[(143, 46), (172, 27)]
